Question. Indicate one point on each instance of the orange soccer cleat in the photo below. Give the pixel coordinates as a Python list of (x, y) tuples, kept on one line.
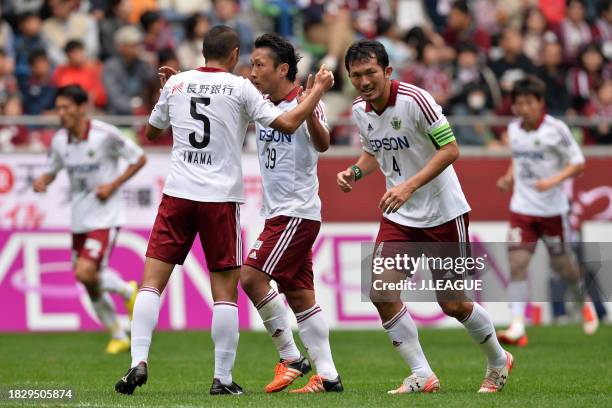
[(320, 384), (286, 372)]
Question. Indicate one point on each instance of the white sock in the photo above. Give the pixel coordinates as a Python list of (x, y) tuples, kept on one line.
[(144, 320), (403, 333), (111, 282), (480, 327), (105, 310), (273, 313), (224, 333), (518, 293), (314, 333)]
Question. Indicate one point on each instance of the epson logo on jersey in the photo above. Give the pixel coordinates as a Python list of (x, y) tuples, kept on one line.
[(273, 135), (526, 154), (390, 143), (83, 168)]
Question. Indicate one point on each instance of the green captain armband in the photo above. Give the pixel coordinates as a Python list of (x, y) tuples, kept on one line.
[(357, 171), (442, 135)]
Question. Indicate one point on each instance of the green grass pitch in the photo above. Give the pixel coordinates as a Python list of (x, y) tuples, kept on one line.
[(560, 367)]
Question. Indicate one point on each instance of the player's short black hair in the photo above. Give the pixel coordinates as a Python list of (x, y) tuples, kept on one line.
[(364, 50), (219, 42), (282, 52), (73, 92), (529, 85), (73, 45), (461, 6)]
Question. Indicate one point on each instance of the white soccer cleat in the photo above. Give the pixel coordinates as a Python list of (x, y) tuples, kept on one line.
[(496, 378), (590, 321), (414, 383)]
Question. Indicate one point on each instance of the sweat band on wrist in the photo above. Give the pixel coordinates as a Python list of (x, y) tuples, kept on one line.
[(357, 171)]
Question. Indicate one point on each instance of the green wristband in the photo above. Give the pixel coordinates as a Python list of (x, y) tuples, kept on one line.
[(357, 171)]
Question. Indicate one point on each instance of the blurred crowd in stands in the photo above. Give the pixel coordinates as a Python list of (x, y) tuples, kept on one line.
[(467, 54)]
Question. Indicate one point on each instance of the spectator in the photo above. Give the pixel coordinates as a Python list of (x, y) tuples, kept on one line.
[(37, 90), (117, 16), (554, 75), (427, 73), (138, 7), (190, 50), (67, 23), (387, 34), (157, 33), (474, 92), (461, 28), (177, 10), (514, 64), (603, 25), (575, 32), (79, 70), (7, 39), (226, 13), (126, 75), (593, 69), (28, 39), (9, 91), (535, 33), (600, 107)]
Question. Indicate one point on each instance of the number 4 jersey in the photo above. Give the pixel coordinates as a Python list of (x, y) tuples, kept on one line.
[(289, 168), (209, 111), (404, 138)]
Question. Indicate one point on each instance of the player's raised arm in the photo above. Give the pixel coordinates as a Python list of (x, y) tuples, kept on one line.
[(288, 122), (316, 122)]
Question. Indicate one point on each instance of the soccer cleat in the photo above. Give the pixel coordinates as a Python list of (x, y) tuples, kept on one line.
[(414, 383), (590, 321), (135, 377), (286, 372), (496, 378), (116, 346), (320, 384), (220, 389), (129, 303), (506, 337)]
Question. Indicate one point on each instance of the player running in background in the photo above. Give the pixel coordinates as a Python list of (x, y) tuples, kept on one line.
[(404, 133), (90, 151), (209, 110), (292, 208), (544, 154)]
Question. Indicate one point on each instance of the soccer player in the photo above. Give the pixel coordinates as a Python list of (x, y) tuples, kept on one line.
[(544, 154), (90, 151), (209, 110), (291, 205), (405, 134)]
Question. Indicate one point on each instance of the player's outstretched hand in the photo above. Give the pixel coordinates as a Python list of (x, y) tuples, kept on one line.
[(504, 183), (164, 73), (303, 93), (324, 78), (394, 198), (104, 191), (345, 179), (39, 184)]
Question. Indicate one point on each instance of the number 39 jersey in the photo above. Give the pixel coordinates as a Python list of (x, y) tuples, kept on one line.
[(89, 162), (404, 138), (289, 168), (209, 111)]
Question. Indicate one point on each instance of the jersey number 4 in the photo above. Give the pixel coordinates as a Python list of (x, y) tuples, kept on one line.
[(205, 121), (396, 167)]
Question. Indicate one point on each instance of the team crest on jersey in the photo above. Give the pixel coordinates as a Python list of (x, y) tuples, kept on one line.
[(91, 153), (536, 142), (396, 123)]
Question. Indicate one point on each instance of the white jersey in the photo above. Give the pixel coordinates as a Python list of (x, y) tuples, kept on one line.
[(541, 154), (404, 138), (90, 162), (289, 168), (209, 110)]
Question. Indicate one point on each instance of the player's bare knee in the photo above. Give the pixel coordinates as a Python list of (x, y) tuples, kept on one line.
[(300, 300), (565, 267), (458, 310), (86, 272)]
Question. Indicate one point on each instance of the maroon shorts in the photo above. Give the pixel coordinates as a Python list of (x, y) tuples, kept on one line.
[(95, 245), (283, 250), (525, 230), (179, 220), (454, 232)]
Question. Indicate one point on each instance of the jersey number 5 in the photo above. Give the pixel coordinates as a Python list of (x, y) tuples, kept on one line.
[(200, 116)]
